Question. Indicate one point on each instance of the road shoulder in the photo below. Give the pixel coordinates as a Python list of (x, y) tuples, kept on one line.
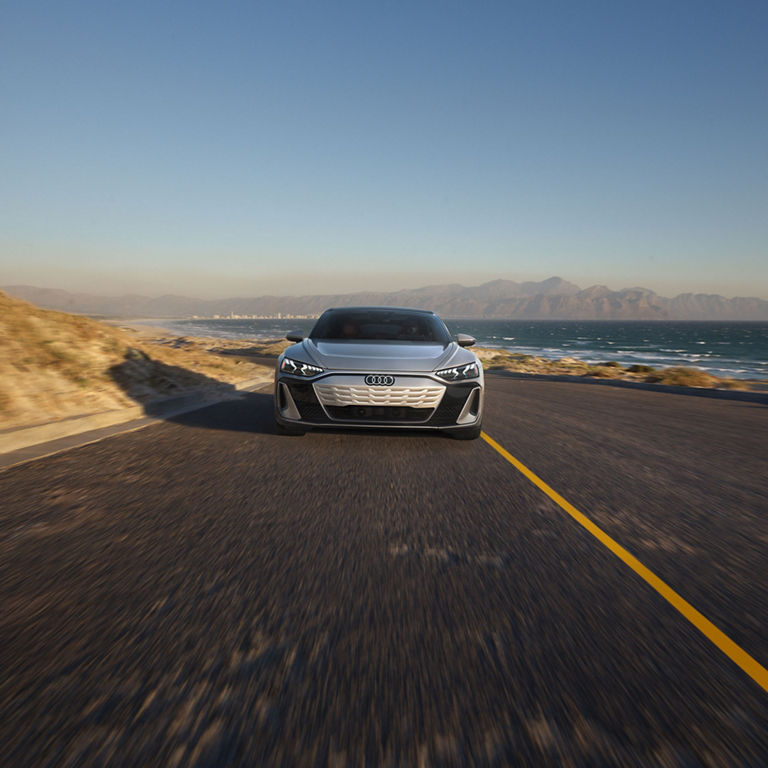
[(20, 446)]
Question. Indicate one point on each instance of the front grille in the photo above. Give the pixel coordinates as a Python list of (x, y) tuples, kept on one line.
[(341, 395), (412, 404), (378, 413), (312, 411)]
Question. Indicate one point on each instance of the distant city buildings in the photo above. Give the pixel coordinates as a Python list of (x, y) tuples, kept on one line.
[(236, 316)]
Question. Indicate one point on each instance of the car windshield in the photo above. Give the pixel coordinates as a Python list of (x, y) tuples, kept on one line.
[(379, 325)]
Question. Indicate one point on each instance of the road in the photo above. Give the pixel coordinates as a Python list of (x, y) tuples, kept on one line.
[(206, 592)]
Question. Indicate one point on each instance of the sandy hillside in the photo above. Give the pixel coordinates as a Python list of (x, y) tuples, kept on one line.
[(55, 365)]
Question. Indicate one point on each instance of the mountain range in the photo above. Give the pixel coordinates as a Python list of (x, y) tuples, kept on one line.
[(552, 299)]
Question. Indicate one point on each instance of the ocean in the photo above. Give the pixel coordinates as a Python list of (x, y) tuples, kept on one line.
[(736, 350)]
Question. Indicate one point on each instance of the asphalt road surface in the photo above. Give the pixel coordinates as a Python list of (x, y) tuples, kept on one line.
[(206, 592)]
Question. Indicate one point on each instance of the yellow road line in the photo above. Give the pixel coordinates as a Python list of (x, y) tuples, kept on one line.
[(734, 652)]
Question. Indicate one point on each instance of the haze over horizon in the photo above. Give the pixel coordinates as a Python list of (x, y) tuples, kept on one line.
[(209, 288), (379, 287), (295, 148)]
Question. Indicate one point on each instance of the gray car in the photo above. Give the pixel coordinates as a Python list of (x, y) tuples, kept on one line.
[(382, 367)]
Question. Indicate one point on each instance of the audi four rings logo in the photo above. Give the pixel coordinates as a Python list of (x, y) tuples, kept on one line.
[(379, 381)]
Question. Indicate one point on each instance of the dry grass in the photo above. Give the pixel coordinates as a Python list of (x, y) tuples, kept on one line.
[(54, 365), (683, 377), (604, 372), (737, 384)]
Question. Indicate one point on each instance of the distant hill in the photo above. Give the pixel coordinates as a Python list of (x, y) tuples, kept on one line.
[(554, 299)]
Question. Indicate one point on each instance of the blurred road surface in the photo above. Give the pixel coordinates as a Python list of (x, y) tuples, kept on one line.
[(205, 592)]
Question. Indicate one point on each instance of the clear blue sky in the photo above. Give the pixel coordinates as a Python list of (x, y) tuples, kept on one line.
[(249, 147)]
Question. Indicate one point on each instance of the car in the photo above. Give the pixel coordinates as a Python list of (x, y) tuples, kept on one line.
[(380, 367)]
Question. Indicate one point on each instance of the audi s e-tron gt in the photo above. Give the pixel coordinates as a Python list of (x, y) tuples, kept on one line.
[(382, 367)]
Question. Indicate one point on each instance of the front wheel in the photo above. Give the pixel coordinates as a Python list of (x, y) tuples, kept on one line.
[(468, 433)]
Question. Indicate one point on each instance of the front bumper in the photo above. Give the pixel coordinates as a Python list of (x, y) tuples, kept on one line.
[(344, 400)]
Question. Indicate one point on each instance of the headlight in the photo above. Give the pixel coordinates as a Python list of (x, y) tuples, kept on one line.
[(296, 368), (470, 371)]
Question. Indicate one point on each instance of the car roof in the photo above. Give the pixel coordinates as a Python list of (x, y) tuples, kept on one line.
[(388, 309)]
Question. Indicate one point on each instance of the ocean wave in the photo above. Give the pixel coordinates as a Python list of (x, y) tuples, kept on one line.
[(729, 370)]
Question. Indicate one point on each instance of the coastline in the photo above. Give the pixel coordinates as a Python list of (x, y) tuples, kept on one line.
[(724, 350), (492, 358)]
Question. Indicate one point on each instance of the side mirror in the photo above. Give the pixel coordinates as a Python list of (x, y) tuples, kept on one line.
[(465, 340), (295, 336)]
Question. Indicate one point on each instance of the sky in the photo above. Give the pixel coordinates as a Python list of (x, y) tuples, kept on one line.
[(245, 148)]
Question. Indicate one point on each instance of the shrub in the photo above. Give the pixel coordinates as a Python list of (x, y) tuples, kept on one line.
[(56, 352), (733, 384), (641, 368), (600, 372), (112, 347), (506, 360), (610, 364), (682, 377), (136, 354)]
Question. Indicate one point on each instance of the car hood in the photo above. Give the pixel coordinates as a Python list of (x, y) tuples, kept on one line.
[(377, 356)]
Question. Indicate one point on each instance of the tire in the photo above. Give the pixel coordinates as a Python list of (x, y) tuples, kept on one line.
[(468, 433)]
